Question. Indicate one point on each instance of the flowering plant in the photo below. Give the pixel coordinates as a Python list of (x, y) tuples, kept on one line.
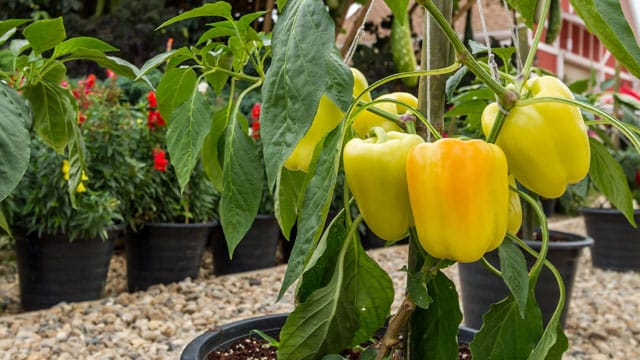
[(157, 196)]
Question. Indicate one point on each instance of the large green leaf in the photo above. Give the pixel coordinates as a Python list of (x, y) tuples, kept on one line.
[(243, 181), (315, 205), (514, 272), (345, 297), (219, 8), (505, 335), (175, 87), (118, 65), (45, 34), (213, 149), (303, 39), (526, 8), (9, 27), (606, 20), (15, 121), (608, 176), (189, 124), (53, 113), (434, 331), (69, 46)]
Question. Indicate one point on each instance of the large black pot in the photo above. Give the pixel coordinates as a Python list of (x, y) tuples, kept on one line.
[(222, 337), (51, 269), (162, 253), (480, 288), (257, 250), (616, 243)]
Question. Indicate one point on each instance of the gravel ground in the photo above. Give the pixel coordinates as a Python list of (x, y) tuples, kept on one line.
[(603, 320)]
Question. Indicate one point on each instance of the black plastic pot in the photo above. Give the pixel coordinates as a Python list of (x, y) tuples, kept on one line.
[(257, 250), (616, 243), (51, 269), (480, 288), (222, 337), (162, 253)]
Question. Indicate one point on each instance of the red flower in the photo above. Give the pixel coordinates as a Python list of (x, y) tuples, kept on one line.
[(76, 93), (151, 98), (638, 176), (111, 75), (169, 44), (155, 119), (64, 84), (160, 160), (91, 81), (255, 130), (81, 117), (255, 111)]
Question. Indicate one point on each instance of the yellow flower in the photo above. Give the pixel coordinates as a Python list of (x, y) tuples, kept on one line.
[(65, 172)]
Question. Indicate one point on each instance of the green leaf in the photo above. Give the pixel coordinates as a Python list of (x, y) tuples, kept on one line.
[(326, 322), (174, 89), (417, 288), (288, 199), (340, 80), (219, 8), (118, 65), (605, 19), (467, 107), (454, 80), (188, 125), (11, 24), (303, 39), (434, 331), (213, 149), (399, 9), (374, 295), (481, 93), (54, 72), (554, 24), (45, 34), (156, 61), (218, 79), (216, 32), (77, 156), (15, 122), (53, 112), (580, 86), (4, 225), (608, 176), (526, 8), (514, 272), (332, 357), (552, 343), (561, 345), (504, 334), (243, 183), (315, 205), (71, 45)]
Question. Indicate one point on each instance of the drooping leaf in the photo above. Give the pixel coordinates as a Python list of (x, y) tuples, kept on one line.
[(188, 125), (315, 205), (455, 80), (69, 46), (175, 87), (157, 60), (288, 199), (15, 122), (514, 272), (219, 8), (213, 149), (608, 176), (243, 184), (561, 345), (54, 113), (552, 343), (504, 334), (45, 34), (434, 331), (303, 38), (54, 72), (605, 19), (119, 66)]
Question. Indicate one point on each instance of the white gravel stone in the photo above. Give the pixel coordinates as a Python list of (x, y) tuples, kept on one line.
[(603, 321)]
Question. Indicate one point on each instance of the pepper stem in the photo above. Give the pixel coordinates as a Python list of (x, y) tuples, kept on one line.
[(379, 133)]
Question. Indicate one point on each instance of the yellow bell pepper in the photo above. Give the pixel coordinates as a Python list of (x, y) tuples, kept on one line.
[(459, 195), (375, 170), (327, 117), (546, 144)]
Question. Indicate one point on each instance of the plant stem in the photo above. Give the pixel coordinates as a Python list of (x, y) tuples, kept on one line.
[(506, 97), (396, 324), (526, 69)]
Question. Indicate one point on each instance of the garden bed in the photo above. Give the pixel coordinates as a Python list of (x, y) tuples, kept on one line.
[(603, 320)]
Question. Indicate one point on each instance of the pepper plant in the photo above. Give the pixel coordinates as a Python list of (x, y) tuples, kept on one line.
[(459, 198)]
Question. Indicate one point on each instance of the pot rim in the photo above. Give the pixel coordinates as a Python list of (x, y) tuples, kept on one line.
[(609, 211), (575, 241), (211, 223)]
